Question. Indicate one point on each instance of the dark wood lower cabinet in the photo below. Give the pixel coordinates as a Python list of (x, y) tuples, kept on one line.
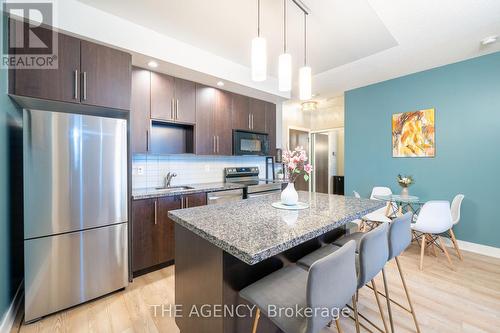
[(153, 240)]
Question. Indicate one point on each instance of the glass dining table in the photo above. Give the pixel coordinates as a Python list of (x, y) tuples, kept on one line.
[(402, 204)]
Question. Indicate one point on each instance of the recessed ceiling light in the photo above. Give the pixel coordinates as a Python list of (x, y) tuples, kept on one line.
[(220, 84), (489, 40), (153, 64)]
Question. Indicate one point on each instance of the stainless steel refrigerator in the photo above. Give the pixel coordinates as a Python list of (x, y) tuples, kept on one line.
[(75, 206)]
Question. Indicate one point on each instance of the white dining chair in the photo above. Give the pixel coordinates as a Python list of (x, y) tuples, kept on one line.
[(433, 220), (381, 215), (456, 205)]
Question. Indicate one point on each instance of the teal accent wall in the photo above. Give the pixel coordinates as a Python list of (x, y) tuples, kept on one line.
[(466, 96)]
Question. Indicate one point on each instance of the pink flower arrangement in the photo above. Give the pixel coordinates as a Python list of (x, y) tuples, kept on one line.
[(296, 164)]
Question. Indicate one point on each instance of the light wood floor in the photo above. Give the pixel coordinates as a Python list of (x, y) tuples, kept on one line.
[(464, 300)]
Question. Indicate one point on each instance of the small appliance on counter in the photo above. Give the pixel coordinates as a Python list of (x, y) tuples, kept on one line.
[(249, 177)]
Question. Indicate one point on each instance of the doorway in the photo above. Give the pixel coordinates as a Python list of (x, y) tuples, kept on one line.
[(327, 157)]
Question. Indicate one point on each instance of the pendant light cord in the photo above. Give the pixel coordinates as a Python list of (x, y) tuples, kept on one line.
[(258, 18), (305, 39), (284, 26)]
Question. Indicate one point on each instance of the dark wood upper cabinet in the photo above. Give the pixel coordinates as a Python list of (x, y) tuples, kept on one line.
[(241, 112), (140, 111), (204, 138), (222, 129), (258, 115), (185, 101), (162, 96), (271, 127), (172, 99), (61, 84), (106, 76)]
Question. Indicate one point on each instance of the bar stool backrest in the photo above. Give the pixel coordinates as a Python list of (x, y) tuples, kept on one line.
[(399, 235), (373, 253), (331, 284)]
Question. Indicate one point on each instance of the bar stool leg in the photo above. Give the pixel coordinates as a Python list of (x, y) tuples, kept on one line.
[(256, 321), (339, 329), (388, 299), (407, 294), (422, 252), (375, 291), (355, 307)]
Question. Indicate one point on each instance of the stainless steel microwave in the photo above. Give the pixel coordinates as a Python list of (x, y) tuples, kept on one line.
[(250, 143)]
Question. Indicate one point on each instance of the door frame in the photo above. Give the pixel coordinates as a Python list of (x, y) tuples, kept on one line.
[(303, 129)]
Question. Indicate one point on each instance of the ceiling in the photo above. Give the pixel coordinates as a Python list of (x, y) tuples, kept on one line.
[(351, 43)]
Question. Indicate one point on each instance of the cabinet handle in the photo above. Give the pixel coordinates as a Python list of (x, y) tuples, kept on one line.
[(177, 109), (249, 121), (252, 120), (214, 145), (172, 112), (156, 211), (76, 84), (147, 141), (217, 144), (84, 86)]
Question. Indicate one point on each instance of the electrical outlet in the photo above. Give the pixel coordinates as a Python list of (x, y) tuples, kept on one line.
[(140, 171)]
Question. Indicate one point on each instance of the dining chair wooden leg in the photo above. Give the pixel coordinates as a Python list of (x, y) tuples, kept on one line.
[(422, 252), (445, 252), (256, 321), (337, 323), (355, 307), (388, 300), (407, 294), (375, 291), (455, 244)]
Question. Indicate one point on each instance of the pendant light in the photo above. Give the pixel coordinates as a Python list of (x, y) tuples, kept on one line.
[(284, 61), (305, 71), (259, 53)]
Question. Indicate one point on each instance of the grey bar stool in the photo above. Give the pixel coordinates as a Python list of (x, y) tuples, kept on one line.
[(373, 251), (329, 283), (399, 238)]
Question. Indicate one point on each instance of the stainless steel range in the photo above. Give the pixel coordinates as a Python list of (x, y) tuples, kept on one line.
[(249, 177)]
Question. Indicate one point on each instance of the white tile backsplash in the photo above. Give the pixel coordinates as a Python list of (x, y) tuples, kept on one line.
[(190, 169)]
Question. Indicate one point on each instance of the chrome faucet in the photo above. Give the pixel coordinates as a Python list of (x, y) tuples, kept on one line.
[(168, 179)]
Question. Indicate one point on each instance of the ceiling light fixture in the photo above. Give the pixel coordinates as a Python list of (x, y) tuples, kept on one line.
[(309, 106), (153, 64), (220, 84), (259, 53), (305, 71), (489, 40), (284, 61)]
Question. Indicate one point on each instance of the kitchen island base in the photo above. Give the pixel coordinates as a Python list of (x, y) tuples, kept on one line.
[(205, 275)]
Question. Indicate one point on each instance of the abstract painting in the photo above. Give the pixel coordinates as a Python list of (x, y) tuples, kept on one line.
[(413, 134)]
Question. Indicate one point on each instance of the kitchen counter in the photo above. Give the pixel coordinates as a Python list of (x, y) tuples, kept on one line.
[(148, 193), (252, 230), (221, 249)]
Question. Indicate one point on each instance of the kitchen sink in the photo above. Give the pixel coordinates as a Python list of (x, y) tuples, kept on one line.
[(174, 188)]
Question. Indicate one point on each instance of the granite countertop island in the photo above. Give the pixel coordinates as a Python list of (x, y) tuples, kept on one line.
[(252, 230), (220, 249)]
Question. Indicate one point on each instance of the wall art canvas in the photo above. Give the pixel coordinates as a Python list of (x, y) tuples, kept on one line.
[(413, 134)]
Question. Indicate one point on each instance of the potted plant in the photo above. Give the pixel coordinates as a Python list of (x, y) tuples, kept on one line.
[(296, 166), (405, 182)]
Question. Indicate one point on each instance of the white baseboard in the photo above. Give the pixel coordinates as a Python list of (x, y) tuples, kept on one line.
[(486, 250), (10, 316)]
